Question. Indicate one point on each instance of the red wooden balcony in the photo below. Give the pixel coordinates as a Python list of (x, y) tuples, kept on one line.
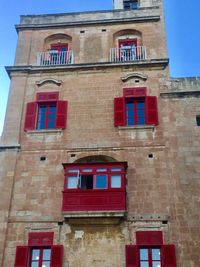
[(94, 187)]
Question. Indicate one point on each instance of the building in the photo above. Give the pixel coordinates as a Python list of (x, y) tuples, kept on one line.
[(100, 148)]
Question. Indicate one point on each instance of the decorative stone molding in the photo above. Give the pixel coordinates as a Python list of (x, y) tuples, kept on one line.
[(133, 76), (42, 82)]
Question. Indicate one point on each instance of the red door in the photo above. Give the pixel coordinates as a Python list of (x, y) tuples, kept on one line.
[(128, 50)]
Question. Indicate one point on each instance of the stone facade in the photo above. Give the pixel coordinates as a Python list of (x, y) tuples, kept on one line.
[(163, 185)]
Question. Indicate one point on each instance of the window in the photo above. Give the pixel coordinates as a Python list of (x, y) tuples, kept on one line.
[(135, 108), (40, 257), (198, 120), (94, 176), (150, 251), (47, 112), (40, 252), (130, 4), (58, 54), (128, 49)]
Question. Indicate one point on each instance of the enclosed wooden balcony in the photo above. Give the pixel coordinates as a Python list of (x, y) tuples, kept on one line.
[(94, 188), (54, 57), (128, 54)]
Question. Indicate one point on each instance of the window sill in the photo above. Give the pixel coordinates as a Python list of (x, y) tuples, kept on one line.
[(137, 127), (44, 131)]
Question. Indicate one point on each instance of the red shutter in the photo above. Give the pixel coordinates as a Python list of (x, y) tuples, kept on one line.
[(61, 114), (21, 256), (30, 116), (56, 256), (149, 238), (47, 96), (132, 259), (119, 111), (40, 239), (151, 110), (135, 92), (168, 256)]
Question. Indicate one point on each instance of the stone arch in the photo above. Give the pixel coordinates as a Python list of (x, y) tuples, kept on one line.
[(96, 159), (59, 38), (127, 34)]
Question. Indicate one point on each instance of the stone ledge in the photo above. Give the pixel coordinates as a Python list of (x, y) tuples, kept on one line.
[(137, 127), (94, 214), (53, 131), (10, 147), (180, 94)]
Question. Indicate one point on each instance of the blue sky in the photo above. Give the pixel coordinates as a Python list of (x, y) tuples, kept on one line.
[(182, 24)]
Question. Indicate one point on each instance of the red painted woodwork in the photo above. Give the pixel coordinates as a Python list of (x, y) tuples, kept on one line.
[(151, 110), (132, 256), (59, 47), (30, 116), (21, 257), (47, 96), (119, 111), (56, 256), (61, 114), (168, 256), (135, 92), (149, 238), (107, 199), (40, 239), (94, 200)]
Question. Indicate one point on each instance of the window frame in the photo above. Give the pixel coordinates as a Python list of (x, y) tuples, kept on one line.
[(125, 54), (132, 4), (47, 106), (95, 166), (46, 99), (150, 260), (40, 261)]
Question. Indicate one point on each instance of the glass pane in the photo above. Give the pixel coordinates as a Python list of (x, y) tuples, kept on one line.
[(52, 117), (71, 171), (52, 109), (129, 112), (41, 125), (141, 121), (102, 170), (155, 254), (129, 106), (87, 170), (143, 254), (35, 254), (101, 181), (35, 264), (115, 181), (72, 182), (130, 121), (116, 169), (42, 110), (51, 125), (144, 264), (140, 112), (140, 105), (46, 254), (45, 264), (157, 264)]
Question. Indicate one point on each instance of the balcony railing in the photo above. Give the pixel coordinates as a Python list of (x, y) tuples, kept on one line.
[(52, 58), (128, 54)]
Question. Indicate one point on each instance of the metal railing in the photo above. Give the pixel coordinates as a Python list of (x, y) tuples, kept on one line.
[(128, 54), (53, 57)]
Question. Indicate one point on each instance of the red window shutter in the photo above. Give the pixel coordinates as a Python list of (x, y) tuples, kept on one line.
[(21, 256), (151, 110), (61, 114), (168, 256), (135, 92), (119, 111), (132, 259), (30, 116), (149, 238), (56, 256), (47, 96), (40, 239)]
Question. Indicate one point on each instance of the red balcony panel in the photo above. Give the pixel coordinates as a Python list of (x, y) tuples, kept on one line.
[(93, 200)]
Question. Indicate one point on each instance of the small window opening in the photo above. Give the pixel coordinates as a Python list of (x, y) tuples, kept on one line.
[(137, 81), (164, 222), (43, 158), (103, 30), (150, 156), (73, 155), (86, 182), (60, 223), (198, 120), (82, 31)]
